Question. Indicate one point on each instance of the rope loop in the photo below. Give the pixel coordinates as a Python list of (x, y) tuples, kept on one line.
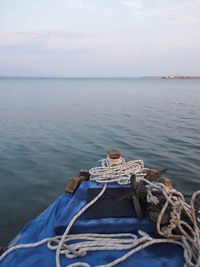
[(184, 233), (120, 173)]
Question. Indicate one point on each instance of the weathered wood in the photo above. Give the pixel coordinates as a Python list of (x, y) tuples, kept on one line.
[(154, 174), (72, 185), (84, 174), (1, 250), (166, 181)]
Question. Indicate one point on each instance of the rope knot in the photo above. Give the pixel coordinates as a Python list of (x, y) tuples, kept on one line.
[(151, 198), (166, 231)]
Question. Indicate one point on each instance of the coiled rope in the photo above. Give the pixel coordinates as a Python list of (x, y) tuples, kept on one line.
[(120, 173), (188, 237), (95, 242), (186, 231)]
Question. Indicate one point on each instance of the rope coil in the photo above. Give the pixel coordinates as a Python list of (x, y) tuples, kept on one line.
[(188, 236), (120, 173), (184, 231)]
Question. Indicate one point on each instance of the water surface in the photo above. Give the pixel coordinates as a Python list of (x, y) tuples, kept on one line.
[(50, 128)]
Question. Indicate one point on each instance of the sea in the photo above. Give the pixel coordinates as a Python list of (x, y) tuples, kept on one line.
[(52, 127)]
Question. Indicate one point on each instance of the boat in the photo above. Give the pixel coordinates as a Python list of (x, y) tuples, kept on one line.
[(116, 214)]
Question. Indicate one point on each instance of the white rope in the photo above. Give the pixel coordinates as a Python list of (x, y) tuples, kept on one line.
[(95, 242), (120, 173), (105, 242), (189, 233), (56, 238), (62, 241), (188, 239)]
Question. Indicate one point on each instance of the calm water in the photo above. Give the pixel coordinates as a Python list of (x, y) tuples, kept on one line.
[(50, 128)]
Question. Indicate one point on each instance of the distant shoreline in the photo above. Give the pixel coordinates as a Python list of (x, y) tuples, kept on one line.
[(168, 77), (181, 77)]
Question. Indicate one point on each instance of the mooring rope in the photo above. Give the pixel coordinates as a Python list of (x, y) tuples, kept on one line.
[(188, 241), (120, 173), (188, 236), (56, 238), (184, 231), (62, 241)]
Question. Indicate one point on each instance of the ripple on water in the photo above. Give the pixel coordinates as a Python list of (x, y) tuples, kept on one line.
[(50, 129)]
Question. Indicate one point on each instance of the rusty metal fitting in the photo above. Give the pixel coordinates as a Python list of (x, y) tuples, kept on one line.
[(166, 181), (84, 174), (114, 154), (72, 185), (153, 175)]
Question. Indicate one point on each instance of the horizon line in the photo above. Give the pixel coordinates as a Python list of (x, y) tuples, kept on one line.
[(100, 77)]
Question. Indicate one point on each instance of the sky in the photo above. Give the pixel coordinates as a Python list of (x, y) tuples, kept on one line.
[(99, 38)]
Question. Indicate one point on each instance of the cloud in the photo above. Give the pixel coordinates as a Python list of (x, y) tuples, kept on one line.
[(75, 3), (50, 42), (185, 15), (24, 48), (172, 15), (136, 4), (80, 4), (43, 37)]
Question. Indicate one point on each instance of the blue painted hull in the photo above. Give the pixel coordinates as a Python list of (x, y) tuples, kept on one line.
[(53, 221)]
